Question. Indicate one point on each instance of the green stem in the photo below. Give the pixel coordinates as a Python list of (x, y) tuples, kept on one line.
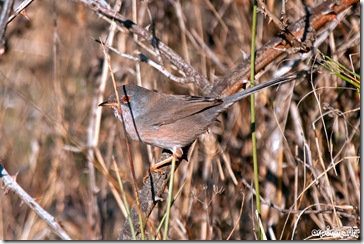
[(252, 108), (169, 201)]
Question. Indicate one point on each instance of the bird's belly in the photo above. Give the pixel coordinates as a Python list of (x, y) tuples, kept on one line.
[(168, 136)]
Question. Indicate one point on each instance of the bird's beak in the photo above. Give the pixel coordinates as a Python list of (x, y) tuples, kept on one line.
[(107, 103)]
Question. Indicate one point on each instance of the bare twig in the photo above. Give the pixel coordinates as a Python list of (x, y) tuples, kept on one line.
[(143, 58), (190, 72), (7, 7), (277, 46), (11, 184), (20, 9)]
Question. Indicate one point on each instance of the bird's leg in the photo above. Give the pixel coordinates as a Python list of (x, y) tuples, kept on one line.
[(177, 153)]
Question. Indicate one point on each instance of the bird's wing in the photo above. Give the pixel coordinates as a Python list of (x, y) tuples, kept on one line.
[(182, 107)]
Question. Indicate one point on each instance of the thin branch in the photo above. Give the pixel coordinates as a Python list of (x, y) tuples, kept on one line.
[(143, 58), (12, 185), (19, 9), (169, 54), (7, 7), (277, 46)]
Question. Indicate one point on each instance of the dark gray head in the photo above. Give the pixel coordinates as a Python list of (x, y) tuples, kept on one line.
[(129, 93)]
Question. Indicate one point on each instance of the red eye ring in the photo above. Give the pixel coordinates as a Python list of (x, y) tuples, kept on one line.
[(125, 99)]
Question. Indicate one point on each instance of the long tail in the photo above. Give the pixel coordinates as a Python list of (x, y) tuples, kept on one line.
[(228, 101)]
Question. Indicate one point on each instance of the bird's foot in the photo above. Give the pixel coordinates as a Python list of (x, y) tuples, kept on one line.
[(156, 167)]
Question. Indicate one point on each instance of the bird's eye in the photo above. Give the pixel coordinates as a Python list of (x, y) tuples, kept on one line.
[(125, 99)]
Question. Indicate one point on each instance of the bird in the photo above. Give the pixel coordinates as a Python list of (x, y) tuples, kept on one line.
[(171, 121)]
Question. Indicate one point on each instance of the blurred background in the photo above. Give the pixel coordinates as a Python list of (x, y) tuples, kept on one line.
[(49, 75)]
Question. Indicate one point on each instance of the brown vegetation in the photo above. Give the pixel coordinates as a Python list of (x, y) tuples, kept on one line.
[(308, 131)]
